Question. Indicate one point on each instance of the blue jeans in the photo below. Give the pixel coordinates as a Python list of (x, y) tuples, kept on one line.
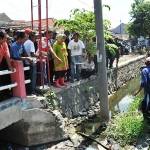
[(75, 68)]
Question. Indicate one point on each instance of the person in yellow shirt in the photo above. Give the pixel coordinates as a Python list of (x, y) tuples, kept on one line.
[(60, 67)]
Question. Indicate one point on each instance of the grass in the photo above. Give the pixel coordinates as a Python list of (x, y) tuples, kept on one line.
[(135, 104), (126, 127)]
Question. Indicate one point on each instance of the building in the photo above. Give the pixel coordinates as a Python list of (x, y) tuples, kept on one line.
[(6, 22), (51, 22), (121, 32)]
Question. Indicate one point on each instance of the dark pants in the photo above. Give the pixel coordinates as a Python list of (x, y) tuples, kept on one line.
[(51, 66), (85, 73), (145, 106), (109, 62), (95, 63), (4, 80), (32, 75), (69, 64), (59, 74)]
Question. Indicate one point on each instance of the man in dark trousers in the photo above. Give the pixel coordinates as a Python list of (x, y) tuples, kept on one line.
[(67, 40)]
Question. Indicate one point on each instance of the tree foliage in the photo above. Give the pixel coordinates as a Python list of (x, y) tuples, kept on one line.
[(83, 21), (140, 14)]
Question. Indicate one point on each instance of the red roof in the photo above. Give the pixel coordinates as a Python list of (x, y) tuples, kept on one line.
[(51, 22), (26, 24)]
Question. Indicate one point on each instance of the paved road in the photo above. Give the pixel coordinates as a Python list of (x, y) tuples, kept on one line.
[(126, 58)]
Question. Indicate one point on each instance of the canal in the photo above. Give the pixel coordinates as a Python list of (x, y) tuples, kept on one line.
[(118, 102)]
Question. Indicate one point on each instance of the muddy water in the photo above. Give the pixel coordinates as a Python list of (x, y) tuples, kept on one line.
[(120, 101)]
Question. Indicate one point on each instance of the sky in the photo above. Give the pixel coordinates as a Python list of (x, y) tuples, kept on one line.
[(20, 9)]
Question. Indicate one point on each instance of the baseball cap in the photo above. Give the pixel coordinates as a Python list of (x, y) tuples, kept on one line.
[(28, 30)]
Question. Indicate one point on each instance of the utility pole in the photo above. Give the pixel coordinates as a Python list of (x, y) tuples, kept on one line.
[(102, 71), (32, 14), (120, 29)]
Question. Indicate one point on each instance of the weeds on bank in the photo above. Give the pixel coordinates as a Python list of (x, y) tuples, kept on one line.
[(126, 127), (135, 104), (52, 100)]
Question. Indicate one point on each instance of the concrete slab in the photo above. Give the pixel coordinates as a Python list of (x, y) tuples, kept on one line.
[(10, 112), (36, 127)]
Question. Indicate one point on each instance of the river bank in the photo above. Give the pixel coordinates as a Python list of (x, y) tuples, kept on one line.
[(84, 105)]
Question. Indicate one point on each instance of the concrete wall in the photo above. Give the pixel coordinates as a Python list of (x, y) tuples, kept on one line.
[(79, 98), (82, 96), (125, 72)]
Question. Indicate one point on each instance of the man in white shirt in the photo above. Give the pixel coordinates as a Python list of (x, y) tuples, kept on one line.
[(29, 43), (30, 51), (76, 47)]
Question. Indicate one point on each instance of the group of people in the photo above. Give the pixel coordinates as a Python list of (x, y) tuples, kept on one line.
[(63, 52)]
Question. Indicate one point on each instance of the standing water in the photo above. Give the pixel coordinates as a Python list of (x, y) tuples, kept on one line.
[(118, 102)]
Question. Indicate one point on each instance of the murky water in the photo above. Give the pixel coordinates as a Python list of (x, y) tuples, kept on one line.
[(120, 101)]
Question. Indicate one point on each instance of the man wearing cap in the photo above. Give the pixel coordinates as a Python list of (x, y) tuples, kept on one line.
[(145, 84), (29, 45)]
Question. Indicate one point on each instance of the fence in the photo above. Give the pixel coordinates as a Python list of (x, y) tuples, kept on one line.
[(17, 79)]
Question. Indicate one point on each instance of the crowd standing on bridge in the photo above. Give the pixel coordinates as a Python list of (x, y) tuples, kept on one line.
[(65, 53)]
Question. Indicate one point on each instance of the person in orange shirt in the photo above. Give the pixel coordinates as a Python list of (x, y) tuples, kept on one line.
[(4, 54), (5, 63)]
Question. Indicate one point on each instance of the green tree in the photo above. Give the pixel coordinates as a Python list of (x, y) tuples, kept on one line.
[(140, 14), (83, 21)]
